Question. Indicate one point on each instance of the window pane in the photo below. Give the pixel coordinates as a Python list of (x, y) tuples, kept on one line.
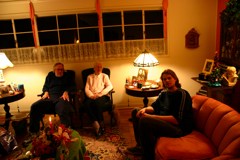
[(6, 26), (154, 31), (89, 35), (23, 25), (155, 16), (46, 23), (113, 18), (133, 17), (88, 20), (25, 40), (112, 33), (48, 38), (7, 41), (133, 32), (68, 36), (67, 21)]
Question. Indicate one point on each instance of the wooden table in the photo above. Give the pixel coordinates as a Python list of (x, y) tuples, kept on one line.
[(138, 92), (8, 98)]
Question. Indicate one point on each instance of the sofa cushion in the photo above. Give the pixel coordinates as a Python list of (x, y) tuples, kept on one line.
[(192, 146)]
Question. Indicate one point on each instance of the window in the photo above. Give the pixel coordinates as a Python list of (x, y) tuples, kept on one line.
[(83, 28), (6, 34), (24, 33), (153, 25), (88, 27), (112, 26), (76, 36), (133, 25), (47, 31)]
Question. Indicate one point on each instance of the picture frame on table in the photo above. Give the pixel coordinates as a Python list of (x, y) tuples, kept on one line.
[(142, 74), (5, 89), (208, 66)]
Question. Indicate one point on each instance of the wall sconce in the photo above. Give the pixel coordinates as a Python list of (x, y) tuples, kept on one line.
[(145, 59), (4, 63)]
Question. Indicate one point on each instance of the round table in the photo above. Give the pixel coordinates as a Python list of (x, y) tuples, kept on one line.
[(138, 92), (8, 98)]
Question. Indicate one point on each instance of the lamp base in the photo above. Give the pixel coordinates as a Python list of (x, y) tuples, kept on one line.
[(1, 76)]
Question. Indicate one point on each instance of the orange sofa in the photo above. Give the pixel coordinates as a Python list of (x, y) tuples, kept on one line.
[(216, 135)]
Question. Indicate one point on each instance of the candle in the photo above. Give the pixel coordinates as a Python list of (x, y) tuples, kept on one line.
[(50, 120), (50, 123)]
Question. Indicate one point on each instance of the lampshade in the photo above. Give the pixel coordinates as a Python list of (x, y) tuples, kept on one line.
[(145, 59), (4, 61)]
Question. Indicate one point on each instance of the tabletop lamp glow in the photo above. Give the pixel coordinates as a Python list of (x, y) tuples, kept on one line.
[(145, 59), (4, 63)]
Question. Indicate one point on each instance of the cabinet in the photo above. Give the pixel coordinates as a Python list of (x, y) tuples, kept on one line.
[(222, 94)]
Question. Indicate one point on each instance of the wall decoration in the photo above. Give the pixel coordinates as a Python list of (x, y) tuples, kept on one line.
[(208, 66), (192, 39)]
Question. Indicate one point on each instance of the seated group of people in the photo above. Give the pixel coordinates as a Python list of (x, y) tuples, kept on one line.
[(170, 115), (55, 99)]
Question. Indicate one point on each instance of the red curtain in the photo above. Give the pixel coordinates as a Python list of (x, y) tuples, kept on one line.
[(100, 23), (165, 6), (32, 17)]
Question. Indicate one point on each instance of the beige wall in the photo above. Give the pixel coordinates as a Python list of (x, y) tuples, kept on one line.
[(182, 16)]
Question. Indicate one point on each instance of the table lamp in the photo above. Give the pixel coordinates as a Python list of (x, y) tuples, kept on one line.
[(4, 63), (145, 59)]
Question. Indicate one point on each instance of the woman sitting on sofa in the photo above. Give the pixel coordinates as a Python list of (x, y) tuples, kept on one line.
[(169, 116)]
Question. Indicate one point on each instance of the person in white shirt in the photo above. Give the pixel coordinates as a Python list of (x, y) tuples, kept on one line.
[(97, 88)]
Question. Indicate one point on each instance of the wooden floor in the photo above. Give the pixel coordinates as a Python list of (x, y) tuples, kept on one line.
[(125, 127)]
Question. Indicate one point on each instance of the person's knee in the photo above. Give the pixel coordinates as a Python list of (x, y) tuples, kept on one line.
[(35, 108), (144, 122), (134, 112)]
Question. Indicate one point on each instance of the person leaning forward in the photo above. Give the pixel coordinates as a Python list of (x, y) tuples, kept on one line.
[(169, 116), (55, 98)]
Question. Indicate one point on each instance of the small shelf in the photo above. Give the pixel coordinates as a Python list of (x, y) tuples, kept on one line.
[(222, 93)]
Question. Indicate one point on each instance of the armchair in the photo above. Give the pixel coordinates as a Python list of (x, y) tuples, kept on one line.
[(72, 97), (109, 104)]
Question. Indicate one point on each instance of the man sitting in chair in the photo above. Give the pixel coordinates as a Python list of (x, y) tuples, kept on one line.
[(97, 88), (55, 98)]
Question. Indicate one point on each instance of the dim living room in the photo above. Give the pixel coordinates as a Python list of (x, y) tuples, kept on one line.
[(179, 21)]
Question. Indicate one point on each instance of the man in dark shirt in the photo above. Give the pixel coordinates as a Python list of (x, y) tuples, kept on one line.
[(55, 98), (169, 116)]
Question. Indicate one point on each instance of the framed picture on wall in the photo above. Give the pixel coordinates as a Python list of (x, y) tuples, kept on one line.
[(208, 66)]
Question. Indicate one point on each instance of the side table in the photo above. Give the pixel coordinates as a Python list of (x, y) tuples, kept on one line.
[(138, 92), (8, 98)]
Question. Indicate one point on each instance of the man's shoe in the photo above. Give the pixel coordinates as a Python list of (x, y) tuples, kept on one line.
[(99, 133), (102, 130), (135, 150)]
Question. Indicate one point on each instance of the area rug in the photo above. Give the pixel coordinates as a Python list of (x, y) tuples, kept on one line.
[(110, 146)]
